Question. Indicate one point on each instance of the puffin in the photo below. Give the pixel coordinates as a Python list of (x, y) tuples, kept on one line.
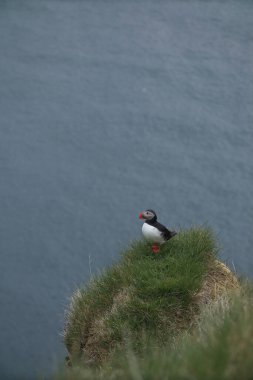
[(153, 230)]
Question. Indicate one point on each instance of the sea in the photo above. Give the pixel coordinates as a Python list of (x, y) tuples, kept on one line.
[(107, 108)]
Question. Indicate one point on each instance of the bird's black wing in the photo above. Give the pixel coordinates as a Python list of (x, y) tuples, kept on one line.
[(167, 234)]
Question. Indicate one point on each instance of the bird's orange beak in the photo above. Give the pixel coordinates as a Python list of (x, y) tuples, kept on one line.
[(140, 216)]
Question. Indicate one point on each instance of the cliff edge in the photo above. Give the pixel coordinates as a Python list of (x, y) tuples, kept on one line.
[(146, 297)]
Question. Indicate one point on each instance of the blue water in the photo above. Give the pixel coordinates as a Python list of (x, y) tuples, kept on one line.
[(108, 108)]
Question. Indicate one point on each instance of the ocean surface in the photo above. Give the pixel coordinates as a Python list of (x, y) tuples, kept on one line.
[(109, 107)]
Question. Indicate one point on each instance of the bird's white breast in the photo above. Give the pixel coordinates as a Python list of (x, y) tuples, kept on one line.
[(152, 233)]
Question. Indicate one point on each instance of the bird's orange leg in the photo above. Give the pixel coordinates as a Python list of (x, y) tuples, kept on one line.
[(155, 248)]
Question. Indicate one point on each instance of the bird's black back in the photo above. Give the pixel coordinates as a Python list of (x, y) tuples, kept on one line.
[(167, 234)]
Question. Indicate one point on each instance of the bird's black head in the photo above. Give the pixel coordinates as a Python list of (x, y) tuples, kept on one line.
[(149, 215)]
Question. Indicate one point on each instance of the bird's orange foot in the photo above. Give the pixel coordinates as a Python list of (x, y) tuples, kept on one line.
[(155, 248)]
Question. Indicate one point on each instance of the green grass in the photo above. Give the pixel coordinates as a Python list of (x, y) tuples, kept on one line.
[(146, 296), (141, 318), (220, 347)]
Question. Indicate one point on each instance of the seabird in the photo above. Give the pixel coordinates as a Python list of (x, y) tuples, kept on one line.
[(154, 231)]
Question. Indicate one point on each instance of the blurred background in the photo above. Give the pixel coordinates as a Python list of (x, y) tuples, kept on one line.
[(108, 108)]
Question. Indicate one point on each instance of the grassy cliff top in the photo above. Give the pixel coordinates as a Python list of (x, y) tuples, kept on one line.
[(146, 296), (177, 315)]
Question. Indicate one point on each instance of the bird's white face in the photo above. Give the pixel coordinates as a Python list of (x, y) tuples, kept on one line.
[(147, 215)]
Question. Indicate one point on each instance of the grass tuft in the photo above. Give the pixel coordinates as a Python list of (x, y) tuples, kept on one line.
[(177, 315), (145, 294), (220, 347)]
